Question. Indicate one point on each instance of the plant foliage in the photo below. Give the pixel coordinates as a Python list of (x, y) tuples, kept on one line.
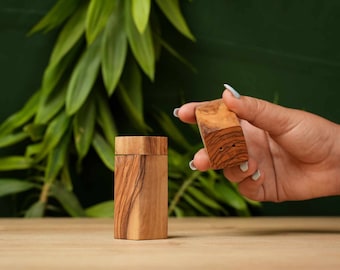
[(103, 52)]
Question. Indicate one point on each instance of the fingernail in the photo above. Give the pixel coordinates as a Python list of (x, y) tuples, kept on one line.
[(232, 90), (244, 166), (175, 112), (192, 166), (256, 175)]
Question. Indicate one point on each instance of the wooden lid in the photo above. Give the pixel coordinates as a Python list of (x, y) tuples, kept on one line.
[(141, 145)]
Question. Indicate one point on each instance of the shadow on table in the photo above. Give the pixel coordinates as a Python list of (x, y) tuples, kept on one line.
[(287, 231)]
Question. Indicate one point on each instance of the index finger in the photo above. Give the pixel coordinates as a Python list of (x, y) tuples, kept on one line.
[(186, 113)]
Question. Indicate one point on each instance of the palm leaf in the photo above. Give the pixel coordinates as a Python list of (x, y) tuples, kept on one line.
[(22, 116), (83, 77), (57, 158), (172, 11), (36, 210), (140, 13), (103, 209), (67, 199), (83, 128), (56, 16), (53, 134), (105, 119), (104, 151), (69, 35), (15, 163), (12, 138), (97, 16), (12, 186), (141, 43), (114, 50)]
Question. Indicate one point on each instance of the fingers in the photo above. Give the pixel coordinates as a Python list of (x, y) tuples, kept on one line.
[(249, 179), (186, 113), (251, 189), (265, 115), (200, 161), (238, 173)]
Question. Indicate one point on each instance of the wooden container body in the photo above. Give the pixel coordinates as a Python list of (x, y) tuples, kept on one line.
[(221, 134), (141, 189)]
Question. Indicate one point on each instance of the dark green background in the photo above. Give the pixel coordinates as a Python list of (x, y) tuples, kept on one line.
[(285, 50)]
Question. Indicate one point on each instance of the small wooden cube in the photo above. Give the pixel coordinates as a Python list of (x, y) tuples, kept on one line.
[(221, 134)]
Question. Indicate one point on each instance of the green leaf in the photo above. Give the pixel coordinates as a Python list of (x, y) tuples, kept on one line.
[(203, 198), (174, 53), (11, 186), (65, 176), (182, 190), (103, 209), (178, 163), (56, 16), (114, 50), (98, 14), (179, 212), (35, 131), (22, 116), (53, 134), (133, 114), (55, 70), (57, 158), (83, 78), (132, 83), (15, 163), (172, 130), (10, 139), (104, 151), (141, 43), (140, 13), (53, 92), (33, 149), (130, 95), (68, 200), (229, 196), (69, 35), (50, 106), (252, 202), (172, 11), (83, 127), (36, 210), (197, 205), (105, 119)]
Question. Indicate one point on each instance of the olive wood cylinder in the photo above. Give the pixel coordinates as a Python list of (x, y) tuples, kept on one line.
[(221, 134), (141, 188)]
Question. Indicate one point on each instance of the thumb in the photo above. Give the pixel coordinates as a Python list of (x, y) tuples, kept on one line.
[(265, 115)]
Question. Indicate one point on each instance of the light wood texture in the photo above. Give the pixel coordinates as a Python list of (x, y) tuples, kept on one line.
[(196, 243), (141, 145), (141, 188), (221, 134)]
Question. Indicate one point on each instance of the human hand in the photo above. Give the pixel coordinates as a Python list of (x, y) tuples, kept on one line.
[(293, 154)]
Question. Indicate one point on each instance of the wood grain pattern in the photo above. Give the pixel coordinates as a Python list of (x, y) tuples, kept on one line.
[(141, 190), (221, 134), (141, 145), (264, 243)]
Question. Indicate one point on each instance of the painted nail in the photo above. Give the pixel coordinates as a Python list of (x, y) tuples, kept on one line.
[(232, 90), (175, 112), (244, 166), (192, 166), (256, 175)]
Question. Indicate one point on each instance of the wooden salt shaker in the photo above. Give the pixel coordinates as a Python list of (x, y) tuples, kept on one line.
[(221, 134), (141, 188)]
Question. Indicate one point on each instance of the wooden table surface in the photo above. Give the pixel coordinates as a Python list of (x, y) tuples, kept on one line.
[(195, 243)]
